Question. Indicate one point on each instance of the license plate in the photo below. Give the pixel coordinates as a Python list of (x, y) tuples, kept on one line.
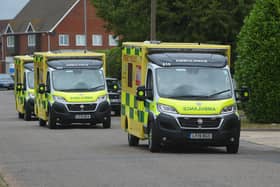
[(115, 100), (199, 136), (82, 116)]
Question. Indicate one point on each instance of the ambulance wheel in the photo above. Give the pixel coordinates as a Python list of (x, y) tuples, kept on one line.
[(117, 112), (132, 140), (107, 123), (20, 115), (51, 121), (27, 115), (233, 148), (42, 123), (153, 139)]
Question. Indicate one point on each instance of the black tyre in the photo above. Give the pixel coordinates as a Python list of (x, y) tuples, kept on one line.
[(107, 123), (27, 114), (42, 123), (51, 120), (153, 139), (132, 140), (233, 148), (20, 115)]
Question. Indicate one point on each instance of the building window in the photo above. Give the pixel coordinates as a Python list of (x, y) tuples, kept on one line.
[(10, 41), (113, 41), (31, 40), (80, 40), (63, 40), (97, 40)]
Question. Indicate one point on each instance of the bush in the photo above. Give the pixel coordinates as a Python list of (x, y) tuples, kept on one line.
[(113, 59), (258, 63)]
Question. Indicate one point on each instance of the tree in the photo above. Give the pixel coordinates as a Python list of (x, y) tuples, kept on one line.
[(207, 21), (211, 21), (113, 62), (258, 64)]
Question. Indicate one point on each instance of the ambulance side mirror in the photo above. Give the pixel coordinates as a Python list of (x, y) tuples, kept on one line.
[(115, 87), (19, 87), (243, 94), (141, 93), (42, 88)]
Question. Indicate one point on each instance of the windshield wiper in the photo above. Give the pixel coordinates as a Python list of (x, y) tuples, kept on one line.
[(218, 93), (100, 87), (83, 89), (187, 96)]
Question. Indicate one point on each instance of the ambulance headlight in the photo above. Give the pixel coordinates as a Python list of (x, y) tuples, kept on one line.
[(229, 109), (166, 109), (31, 95), (101, 98), (59, 99)]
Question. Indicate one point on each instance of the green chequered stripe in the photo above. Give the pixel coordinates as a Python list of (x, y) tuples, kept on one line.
[(130, 105), (141, 116), (123, 110), (38, 58), (132, 51)]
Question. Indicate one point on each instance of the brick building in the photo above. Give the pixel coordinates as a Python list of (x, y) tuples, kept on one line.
[(3, 25), (54, 25)]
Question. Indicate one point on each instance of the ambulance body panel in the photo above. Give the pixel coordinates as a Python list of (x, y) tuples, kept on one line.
[(71, 88), (179, 92), (24, 86)]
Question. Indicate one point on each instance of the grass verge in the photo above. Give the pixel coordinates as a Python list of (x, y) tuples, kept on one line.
[(2, 182), (246, 124)]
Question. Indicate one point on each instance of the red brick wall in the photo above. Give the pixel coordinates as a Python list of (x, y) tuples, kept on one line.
[(73, 24), (23, 45)]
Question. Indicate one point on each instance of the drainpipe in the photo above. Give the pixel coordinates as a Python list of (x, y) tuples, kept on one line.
[(2, 49), (85, 24), (49, 41)]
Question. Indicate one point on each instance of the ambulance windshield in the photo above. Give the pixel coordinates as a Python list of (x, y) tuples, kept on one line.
[(78, 80), (30, 80), (194, 83)]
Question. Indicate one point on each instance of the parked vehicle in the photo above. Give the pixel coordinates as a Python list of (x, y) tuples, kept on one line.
[(6, 81), (24, 86), (71, 88), (179, 92), (114, 92)]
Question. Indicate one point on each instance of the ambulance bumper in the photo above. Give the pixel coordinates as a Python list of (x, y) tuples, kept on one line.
[(227, 131), (62, 114)]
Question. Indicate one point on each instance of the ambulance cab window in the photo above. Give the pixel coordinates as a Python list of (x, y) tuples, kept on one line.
[(24, 80), (48, 85), (150, 86)]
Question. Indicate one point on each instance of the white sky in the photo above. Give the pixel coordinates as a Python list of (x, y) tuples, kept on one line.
[(10, 8)]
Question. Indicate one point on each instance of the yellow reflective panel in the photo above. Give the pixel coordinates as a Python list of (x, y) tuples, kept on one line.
[(196, 107)]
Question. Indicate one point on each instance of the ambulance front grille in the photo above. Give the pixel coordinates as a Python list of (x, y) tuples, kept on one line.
[(194, 122), (81, 107)]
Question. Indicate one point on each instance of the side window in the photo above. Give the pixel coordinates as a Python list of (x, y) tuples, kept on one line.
[(130, 77), (150, 85)]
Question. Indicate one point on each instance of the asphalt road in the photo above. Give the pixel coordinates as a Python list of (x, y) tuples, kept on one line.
[(33, 156)]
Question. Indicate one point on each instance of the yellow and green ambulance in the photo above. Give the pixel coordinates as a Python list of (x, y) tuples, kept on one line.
[(179, 92), (24, 86), (70, 87)]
